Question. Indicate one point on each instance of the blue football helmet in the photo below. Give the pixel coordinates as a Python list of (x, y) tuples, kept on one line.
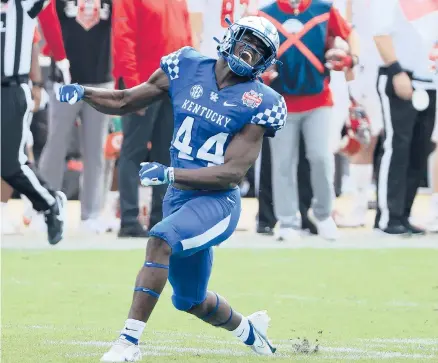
[(256, 26)]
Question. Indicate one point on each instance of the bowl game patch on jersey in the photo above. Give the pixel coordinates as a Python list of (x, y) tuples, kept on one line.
[(252, 99)]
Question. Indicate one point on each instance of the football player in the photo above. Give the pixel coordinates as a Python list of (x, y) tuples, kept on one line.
[(222, 112)]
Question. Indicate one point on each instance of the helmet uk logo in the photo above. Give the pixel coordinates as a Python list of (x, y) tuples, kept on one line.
[(196, 91), (252, 99)]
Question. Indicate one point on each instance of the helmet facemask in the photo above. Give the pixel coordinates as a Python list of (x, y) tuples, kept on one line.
[(248, 61)]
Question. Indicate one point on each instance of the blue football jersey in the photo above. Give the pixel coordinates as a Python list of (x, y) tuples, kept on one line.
[(206, 118)]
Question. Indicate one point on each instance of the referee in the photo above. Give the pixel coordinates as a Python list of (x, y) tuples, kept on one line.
[(18, 22), (408, 97)]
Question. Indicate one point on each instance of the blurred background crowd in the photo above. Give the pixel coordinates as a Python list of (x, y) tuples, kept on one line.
[(368, 131)]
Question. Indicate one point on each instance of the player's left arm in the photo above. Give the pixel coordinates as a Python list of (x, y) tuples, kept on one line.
[(241, 153)]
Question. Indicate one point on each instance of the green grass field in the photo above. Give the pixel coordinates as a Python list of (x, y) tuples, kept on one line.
[(361, 305)]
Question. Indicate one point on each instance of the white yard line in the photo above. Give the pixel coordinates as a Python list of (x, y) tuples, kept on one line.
[(157, 348), (93, 355), (161, 335), (169, 343)]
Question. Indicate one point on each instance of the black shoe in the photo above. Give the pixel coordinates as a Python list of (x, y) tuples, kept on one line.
[(412, 229), (396, 228), (266, 231), (55, 217), (133, 230), (307, 224)]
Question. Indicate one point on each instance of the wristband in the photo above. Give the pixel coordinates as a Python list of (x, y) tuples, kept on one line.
[(38, 84), (394, 68), (170, 175)]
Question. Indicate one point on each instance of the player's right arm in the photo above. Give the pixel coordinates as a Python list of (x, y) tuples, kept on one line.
[(118, 102), (121, 102)]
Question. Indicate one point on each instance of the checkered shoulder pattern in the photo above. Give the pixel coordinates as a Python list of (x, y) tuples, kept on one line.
[(170, 63), (274, 117)]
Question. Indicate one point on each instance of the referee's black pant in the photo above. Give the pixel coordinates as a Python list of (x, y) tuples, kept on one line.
[(16, 110), (406, 147)]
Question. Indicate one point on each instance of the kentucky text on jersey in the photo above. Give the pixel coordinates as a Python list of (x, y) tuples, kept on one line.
[(206, 113), (207, 118)]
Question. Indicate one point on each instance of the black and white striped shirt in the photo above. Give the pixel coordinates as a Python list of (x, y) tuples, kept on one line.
[(18, 21)]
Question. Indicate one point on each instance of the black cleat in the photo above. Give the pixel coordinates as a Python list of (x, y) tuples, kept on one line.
[(395, 229), (266, 231), (307, 224), (55, 218), (412, 229), (133, 230)]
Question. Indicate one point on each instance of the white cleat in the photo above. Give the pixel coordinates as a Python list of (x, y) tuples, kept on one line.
[(260, 322), (122, 351), (287, 234), (327, 228), (94, 226)]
